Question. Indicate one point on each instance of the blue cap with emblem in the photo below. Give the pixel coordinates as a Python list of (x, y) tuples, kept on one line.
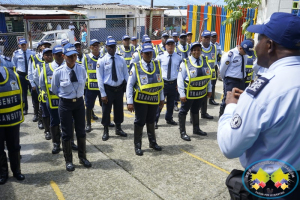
[(57, 49), (170, 40), (247, 45), (22, 41), (46, 50), (189, 33), (174, 34), (206, 33), (125, 37), (133, 38), (165, 35), (194, 44), (182, 35), (69, 49), (213, 33), (94, 41), (64, 41), (288, 35), (110, 41), (147, 47)]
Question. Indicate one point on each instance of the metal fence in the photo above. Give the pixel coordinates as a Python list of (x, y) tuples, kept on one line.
[(9, 42)]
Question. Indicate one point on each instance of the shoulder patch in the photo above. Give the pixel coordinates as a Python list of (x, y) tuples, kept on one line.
[(227, 62), (230, 54), (236, 121), (257, 86)]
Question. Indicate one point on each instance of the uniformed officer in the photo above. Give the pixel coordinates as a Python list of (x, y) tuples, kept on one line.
[(112, 76), (189, 37), (126, 50), (137, 56), (20, 61), (162, 46), (232, 69), (64, 42), (11, 115), (263, 122), (68, 82), (193, 84), (175, 38), (249, 66), (144, 94), (92, 89), (169, 63), (218, 55), (134, 43)]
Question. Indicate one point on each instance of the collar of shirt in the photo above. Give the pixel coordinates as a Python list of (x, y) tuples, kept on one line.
[(206, 49), (287, 61), (144, 65)]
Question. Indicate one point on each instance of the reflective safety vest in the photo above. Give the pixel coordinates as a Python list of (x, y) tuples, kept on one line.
[(52, 98), (160, 49), (127, 55), (91, 66), (211, 54), (249, 68), (80, 62), (199, 77), (183, 53), (11, 102), (149, 84)]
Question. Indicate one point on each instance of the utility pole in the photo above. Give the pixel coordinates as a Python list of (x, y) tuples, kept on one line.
[(151, 16)]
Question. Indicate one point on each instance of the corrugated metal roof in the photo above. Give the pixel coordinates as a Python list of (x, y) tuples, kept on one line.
[(98, 2), (42, 12), (176, 13)]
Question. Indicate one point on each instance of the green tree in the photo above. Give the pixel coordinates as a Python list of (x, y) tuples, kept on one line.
[(237, 7)]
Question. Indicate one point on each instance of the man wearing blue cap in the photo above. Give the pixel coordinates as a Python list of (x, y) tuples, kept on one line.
[(232, 69), (175, 38), (193, 85), (145, 95), (160, 48), (20, 60), (68, 82), (263, 121), (134, 43), (126, 50), (169, 63), (112, 75)]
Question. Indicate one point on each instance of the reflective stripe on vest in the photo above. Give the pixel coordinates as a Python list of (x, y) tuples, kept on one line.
[(11, 102), (211, 54), (199, 77), (149, 85), (127, 55), (182, 53), (91, 65), (52, 98), (249, 69)]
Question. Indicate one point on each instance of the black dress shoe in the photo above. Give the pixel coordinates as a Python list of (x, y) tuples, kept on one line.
[(85, 162), (70, 167), (3, 179), (19, 176), (74, 146), (139, 152), (111, 124), (172, 122), (48, 136), (206, 116), (155, 147), (35, 118), (25, 112), (41, 126), (185, 137), (88, 128), (212, 102), (200, 132), (56, 148), (156, 126), (176, 108)]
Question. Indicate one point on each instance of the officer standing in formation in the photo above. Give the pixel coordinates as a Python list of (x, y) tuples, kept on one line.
[(232, 69), (126, 50), (20, 61), (144, 96), (218, 55), (112, 75), (10, 92), (68, 82), (193, 85), (169, 63), (263, 121)]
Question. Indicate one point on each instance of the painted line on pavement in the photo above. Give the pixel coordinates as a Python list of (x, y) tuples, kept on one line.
[(198, 158), (57, 191)]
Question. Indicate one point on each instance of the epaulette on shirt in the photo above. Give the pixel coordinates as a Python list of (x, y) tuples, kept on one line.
[(256, 87)]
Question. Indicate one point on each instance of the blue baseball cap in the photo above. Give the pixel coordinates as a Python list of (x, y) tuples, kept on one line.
[(57, 49), (133, 38), (46, 50), (170, 40), (282, 28), (182, 35), (147, 47), (165, 35), (174, 34), (194, 44), (146, 40), (110, 41), (205, 33), (189, 33), (213, 33), (247, 45), (64, 41), (93, 41), (22, 41), (125, 37), (69, 49)]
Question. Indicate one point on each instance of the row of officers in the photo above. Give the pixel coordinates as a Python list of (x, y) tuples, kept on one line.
[(67, 83)]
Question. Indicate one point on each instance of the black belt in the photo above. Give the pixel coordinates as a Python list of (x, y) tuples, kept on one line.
[(71, 100), (116, 89), (237, 79), (22, 73), (170, 82)]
